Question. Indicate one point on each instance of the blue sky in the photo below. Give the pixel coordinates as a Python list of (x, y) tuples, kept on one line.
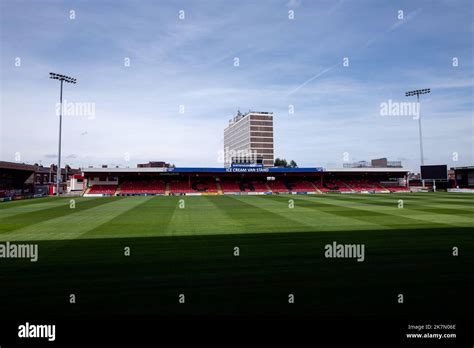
[(282, 62)]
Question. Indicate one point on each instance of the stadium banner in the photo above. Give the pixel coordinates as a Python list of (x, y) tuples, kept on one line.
[(244, 169), (296, 170), (247, 170), (418, 189), (461, 190), (193, 194)]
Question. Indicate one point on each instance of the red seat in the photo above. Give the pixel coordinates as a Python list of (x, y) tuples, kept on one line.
[(103, 189), (142, 187), (180, 187), (259, 186), (365, 185), (278, 186), (230, 187), (342, 187), (320, 187), (302, 186)]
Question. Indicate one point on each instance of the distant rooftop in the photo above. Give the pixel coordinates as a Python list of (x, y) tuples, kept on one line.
[(240, 115), (375, 163)]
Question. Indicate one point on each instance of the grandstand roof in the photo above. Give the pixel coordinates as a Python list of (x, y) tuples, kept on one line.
[(243, 170), (203, 170), (17, 166)]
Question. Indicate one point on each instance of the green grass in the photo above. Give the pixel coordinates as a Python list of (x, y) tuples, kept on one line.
[(190, 251)]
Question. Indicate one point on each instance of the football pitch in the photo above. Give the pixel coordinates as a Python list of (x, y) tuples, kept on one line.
[(240, 255)]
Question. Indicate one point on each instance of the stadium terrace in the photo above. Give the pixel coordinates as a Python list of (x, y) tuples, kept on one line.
[(240, 180)]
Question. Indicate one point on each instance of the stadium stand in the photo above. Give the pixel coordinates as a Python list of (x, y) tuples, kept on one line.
[(142, 187), (259, 186), (204, 186), (245, 187), (177, 187), (335, 186), (103, 189), (278, 186), (341, 186), (158, 187), (16, 180), (212, 187), (365, 185), (209, 185), (241, 179), (229, 186), (321, 187), (6, 193), (302, 186)]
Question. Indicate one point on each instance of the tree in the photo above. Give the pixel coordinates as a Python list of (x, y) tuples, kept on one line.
[(281, 162)]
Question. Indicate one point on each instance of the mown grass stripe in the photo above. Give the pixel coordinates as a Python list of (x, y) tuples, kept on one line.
[(226, 215), (268, 217), (315, 218), (223, 220), (38, 206), (321, 218), (14, 204), (428, 205), (58, 209), (436, 206), (150, 218), (405, 216), (72, 226)]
